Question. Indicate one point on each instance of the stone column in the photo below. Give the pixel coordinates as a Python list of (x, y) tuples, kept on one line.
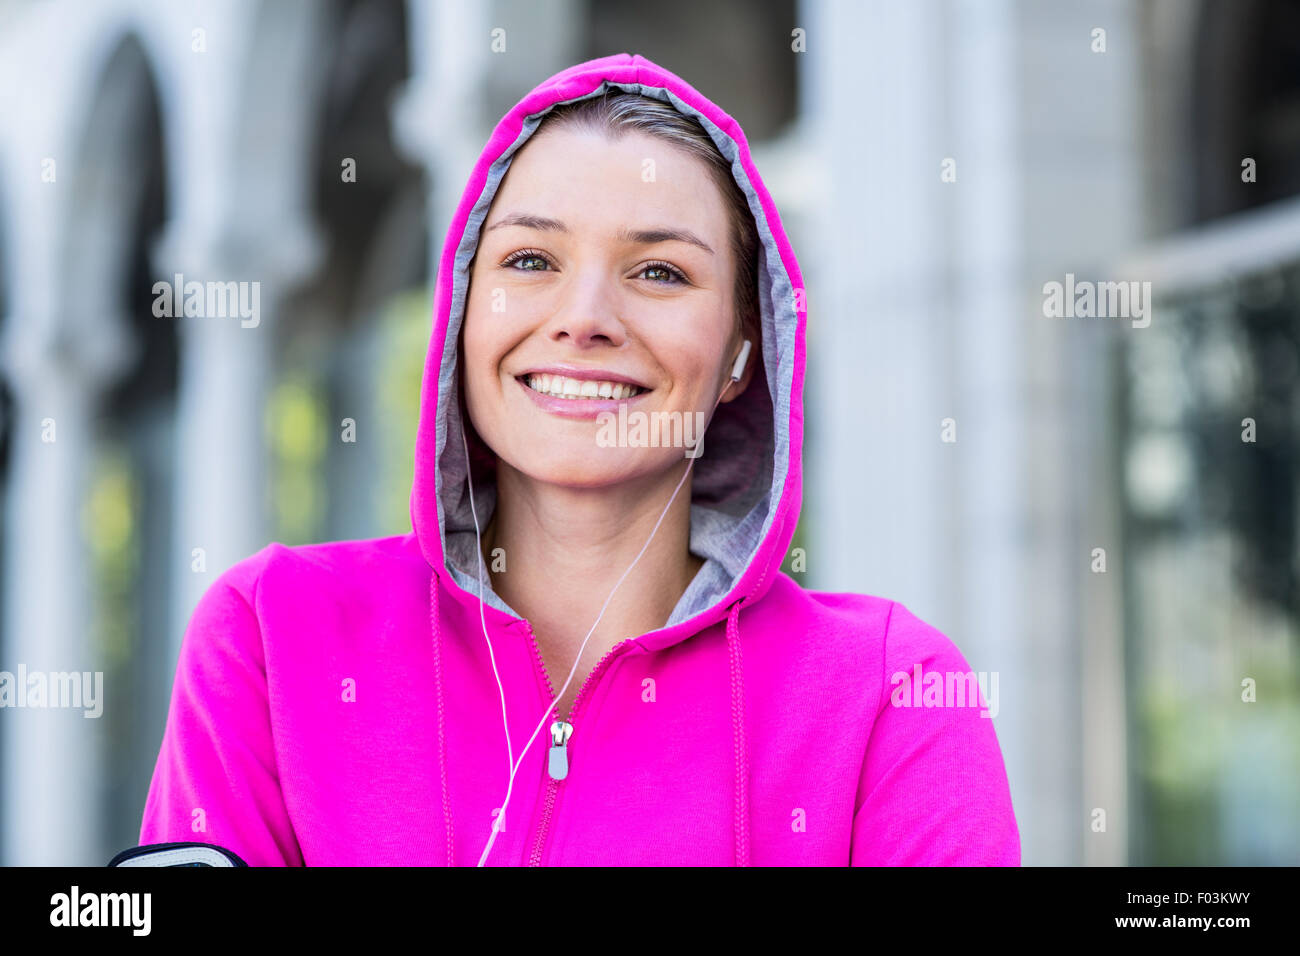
[(226, 371), (437, 119), (59, 368)]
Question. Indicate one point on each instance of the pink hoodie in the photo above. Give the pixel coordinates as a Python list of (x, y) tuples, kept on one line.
[(335, 703)]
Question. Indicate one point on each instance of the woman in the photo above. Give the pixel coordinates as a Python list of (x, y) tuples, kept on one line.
[(585, 652)]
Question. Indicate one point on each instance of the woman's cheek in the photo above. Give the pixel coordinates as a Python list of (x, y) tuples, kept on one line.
[(478, 342)]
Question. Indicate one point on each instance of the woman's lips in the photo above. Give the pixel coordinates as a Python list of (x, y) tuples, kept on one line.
[(577, 407)]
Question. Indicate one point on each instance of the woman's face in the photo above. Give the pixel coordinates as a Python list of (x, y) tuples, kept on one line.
[(602, 262)]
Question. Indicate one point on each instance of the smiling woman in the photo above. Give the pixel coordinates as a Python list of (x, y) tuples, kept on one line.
[(608, 281), (615, 249)]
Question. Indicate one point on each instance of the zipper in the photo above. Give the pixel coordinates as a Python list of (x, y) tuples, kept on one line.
[(557, 763), (557, 759)]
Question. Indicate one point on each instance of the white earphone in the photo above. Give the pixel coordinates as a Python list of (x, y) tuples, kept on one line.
[(737, 371)]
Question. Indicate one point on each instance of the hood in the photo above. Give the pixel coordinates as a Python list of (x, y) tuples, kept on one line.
[(746, 487)]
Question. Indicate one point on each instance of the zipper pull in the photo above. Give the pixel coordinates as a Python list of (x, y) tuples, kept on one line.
[(557, 760)]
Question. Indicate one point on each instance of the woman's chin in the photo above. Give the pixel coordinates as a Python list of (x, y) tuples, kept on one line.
[(591, 467)]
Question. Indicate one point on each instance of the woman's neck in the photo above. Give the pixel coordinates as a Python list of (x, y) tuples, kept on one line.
[(565, 550)]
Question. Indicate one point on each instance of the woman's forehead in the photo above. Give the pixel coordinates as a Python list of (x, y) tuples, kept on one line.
[(592, 176)]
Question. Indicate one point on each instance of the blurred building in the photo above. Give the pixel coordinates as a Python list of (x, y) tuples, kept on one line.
[(1098, 533)]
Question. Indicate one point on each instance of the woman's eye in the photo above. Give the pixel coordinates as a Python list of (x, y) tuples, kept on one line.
[(527, 261), (663, 272)]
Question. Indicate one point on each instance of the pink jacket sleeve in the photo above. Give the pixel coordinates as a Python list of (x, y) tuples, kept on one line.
[(216, 779), (934, 789)]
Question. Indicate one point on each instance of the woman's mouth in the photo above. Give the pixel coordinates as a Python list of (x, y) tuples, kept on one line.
[(563, 387), (580, 398)]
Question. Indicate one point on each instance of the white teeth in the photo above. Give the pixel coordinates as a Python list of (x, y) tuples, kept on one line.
[(560, 386)]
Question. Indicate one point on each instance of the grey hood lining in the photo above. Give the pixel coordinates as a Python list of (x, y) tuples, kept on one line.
[(736, 482)]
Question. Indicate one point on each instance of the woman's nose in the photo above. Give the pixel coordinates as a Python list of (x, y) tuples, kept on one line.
[(587, 313)]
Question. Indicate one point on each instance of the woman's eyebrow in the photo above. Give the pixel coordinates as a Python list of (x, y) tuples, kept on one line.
[(649, 237), (645, 237), (529, 222)]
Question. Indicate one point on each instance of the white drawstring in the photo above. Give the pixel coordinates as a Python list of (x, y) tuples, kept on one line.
[(478, 549)]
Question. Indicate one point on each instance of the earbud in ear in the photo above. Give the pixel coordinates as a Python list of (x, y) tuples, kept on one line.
[(739, 368)]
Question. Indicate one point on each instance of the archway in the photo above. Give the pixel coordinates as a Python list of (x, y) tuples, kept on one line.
[(119, 209)]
